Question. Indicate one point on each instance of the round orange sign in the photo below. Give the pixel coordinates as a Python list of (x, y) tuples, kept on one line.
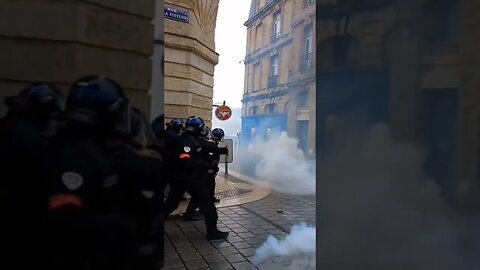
[(223, 113)]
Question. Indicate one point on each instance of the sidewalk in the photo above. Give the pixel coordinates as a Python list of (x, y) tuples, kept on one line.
[(252, 217)]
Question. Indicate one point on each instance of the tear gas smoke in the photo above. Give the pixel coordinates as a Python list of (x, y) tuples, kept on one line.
[(299, 246), (280, 164), (377, 210)]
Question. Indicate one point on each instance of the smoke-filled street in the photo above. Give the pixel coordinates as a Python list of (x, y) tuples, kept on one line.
[(270, 214), (249, 225)]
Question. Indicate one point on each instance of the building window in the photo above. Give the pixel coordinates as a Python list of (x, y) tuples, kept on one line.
[(259, 36), (271, 108), (307, 58), (307, 3), (253, 110), (256, 76), (273, 79), (440, 22), (277, 26), (303, 100)]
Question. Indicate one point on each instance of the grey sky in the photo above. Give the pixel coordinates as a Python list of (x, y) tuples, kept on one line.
[(230, 42)]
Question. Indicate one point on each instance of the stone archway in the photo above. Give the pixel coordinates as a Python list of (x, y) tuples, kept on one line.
[(190, 59)]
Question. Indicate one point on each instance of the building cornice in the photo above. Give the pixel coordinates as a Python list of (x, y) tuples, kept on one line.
[(270, 94), (282, 42), (309, 19), (265, 115), (301, 82), (263, 12)]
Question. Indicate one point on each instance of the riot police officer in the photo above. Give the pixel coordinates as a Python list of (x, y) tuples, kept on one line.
[(143, 170), (171, 135), (211, 154), (191, 166), (217, 136), (23, 141), (90, 199), (158, 141), (173, 129)]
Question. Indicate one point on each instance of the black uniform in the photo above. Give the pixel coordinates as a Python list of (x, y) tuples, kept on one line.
[(211, 155), (22, 145), (102, 193), (140, 194), (171, 144), (191, 165), (87, 224)]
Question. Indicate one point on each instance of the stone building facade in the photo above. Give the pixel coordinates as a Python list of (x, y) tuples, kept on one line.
[(59, 41), (279, 91), (410, 63), (190, 59), (156, 92)]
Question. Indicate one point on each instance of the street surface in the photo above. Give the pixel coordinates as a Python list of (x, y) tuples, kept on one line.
[(249, 224)]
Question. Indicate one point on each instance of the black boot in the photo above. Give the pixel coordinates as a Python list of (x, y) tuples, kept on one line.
[(216, 235), (196, 216)]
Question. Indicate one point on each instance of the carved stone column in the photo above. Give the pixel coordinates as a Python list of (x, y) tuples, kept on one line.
[(190, 59)]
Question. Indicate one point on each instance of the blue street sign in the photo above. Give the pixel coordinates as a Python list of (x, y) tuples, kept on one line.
[(175, 14)]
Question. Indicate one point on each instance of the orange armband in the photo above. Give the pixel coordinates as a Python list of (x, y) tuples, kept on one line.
[(184, 156), (62, 201)]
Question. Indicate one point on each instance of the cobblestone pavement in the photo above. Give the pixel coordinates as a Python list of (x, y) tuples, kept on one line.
[(249, 226)]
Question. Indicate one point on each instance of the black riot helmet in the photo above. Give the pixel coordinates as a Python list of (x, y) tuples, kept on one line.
[(99, 101), (158, 126), (176, 124), (218, 134), (206, 132), (195, 125), (39, 102), (142, 133)]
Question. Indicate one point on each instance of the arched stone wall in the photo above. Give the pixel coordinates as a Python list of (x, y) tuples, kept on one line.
[(190, 59)]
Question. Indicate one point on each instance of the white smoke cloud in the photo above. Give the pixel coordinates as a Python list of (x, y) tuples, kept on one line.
[(379, 211), (299, 246), (280, 164)]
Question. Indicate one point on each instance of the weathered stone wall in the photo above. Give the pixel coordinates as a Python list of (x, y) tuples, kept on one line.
[(156, 89), (190, 60), (59, 41)]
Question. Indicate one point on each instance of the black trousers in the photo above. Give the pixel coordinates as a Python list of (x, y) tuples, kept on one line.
[(209, 181), (23, 241), (82, 241), (199, 192)]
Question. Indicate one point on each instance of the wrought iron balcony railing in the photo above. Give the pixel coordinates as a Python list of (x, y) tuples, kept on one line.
[(275, 37), (306, 61), (307, 3), (272, 81)]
